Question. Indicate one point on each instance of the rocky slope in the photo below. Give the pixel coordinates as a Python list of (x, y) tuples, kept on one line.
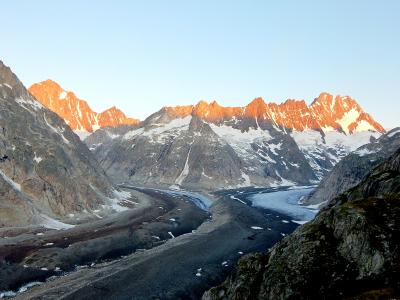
[(210, 146), (349, 251), (45, 170), (353, 168), (76, 112)]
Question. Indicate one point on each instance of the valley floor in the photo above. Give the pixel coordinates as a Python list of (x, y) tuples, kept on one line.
[(191, 246)]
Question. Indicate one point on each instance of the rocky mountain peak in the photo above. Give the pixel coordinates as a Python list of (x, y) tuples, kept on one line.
[(202, 108), (256, 108), (76, 112), (12, 86), (343, 113), (213, 112), (335, 104), (113, 117), (293, 104)]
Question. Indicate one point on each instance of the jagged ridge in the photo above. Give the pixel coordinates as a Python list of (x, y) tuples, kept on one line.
[(326, 112), (76, 112)]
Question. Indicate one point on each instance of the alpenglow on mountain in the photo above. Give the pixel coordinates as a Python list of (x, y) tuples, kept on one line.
[(76, 112), (210, 146)]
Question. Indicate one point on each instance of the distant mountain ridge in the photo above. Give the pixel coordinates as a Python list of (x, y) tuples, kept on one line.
[(207, 145), (327, 113), (76, 112), (210, 146)]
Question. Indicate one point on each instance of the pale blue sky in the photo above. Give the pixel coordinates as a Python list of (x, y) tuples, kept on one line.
[(142, 55)]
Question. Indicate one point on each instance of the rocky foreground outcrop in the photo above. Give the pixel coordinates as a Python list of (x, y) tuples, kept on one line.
[(45, 170), (349, 251)]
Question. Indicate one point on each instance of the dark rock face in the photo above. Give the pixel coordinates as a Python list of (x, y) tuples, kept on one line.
[(44, 168), (353, 168), (192, 151), (349, 251)]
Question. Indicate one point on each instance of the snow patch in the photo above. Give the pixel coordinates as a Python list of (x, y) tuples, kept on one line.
[(51, 223), (82, 134), (256, 228), (241, 141), (157, 131), (393, 132), (133, 133), (205, 175), (273, 147), (185, 170), (16, 186), (115, 203), (333, 146), (112, 135), (62, 95), (246, 180), (37, 159), (233, 197), (364, 126), (299, 222), (316, 206), (363, 152), (348, 118), (55, 130), (230, 134), (31, 102), (22, 289)]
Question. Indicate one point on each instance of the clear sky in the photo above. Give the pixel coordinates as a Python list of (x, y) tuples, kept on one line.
[(142, 55)]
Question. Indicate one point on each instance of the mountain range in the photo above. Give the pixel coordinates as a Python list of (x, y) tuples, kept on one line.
[(326, 112), (208, 146)]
